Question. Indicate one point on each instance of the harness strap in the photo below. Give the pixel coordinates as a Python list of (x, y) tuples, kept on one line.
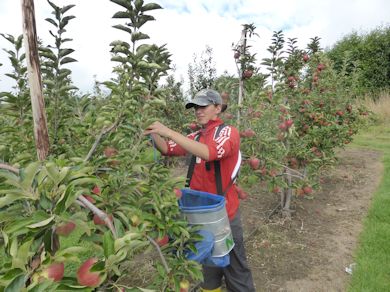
[(217, 168)]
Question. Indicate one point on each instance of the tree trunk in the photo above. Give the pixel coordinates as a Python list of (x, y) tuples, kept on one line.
[(34, 75)]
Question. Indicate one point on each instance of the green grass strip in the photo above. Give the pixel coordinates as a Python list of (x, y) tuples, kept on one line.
[(372, 257)]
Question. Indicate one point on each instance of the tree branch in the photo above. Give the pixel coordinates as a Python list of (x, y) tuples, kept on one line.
[(102, 133), (102, 215), (9, 168), (164, 262)]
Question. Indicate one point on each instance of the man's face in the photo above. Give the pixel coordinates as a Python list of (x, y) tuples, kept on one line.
[(206, 113)]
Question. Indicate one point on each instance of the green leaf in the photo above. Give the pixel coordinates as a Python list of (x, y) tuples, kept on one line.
[(51, 21), (21, 259), (41, 223), (66, 8), (121, 14), (139, 36), (65, 52), (150, 6), (119, 59), (27, 174), (72, 197), (108, 244), (123, 3), (16, 284), (143, 49), (67, 60), (10, 198), (123, 27)]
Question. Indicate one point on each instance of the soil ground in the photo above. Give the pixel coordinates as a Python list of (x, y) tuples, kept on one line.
[(311, 251)]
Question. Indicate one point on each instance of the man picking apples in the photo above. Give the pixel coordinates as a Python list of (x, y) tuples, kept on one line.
[(209, 146)]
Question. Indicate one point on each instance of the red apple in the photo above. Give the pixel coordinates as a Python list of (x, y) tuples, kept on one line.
[(54, 272), (237, 54), (306, 57), (89, 198), (248, 133), (193, 126), (98, 221), (84, 275), (184, 286), (242, 195), (307, 190), (110, 151), (247, 73), (228, 116), (96, 190), (254, 163), (289, 123), (320, 67), (65, 229), (282, 126), (161, 241), (178, 193)]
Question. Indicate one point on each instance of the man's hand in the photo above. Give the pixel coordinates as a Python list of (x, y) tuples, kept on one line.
[(158, 128)]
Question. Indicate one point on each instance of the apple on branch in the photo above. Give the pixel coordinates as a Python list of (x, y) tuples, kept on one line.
[(54, 271), (65, 228), (87, 278)]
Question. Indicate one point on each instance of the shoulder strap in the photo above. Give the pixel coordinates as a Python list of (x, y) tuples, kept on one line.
[(217, 165), (217, 168), (192, 165)]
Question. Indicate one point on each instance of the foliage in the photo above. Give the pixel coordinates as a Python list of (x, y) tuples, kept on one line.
[(364, 60), (202, 72), (15, 107)]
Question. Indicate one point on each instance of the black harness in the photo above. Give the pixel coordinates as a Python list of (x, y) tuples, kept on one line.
[(217, 168)]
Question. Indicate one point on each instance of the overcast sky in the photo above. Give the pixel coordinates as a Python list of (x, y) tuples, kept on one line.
[(188, 26)]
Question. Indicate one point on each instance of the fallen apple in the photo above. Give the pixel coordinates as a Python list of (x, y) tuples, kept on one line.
[(254, 163)]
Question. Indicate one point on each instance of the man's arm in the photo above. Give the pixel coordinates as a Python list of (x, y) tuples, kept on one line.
[(158, 130)]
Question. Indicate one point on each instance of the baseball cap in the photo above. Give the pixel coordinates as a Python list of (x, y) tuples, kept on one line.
[(204, 98)]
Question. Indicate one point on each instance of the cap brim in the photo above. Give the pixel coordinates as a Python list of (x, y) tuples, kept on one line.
[(199, 101)]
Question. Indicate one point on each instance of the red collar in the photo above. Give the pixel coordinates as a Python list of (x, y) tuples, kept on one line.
[(212, 124)]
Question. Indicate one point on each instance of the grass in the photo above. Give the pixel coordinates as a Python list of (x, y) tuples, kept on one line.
[(372, 271)]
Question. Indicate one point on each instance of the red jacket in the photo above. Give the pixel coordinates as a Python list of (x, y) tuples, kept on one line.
[(226, 148)]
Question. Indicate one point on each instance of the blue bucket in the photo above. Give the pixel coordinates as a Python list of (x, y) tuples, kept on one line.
[(208, 210)]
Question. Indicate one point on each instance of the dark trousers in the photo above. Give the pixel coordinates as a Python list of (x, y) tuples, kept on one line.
[(238, 277)]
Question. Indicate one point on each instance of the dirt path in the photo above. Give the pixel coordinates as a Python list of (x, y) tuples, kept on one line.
[(311, 251)]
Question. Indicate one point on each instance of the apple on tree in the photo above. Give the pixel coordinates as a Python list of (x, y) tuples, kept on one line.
[(184, 286), (96, 190), (65, 228), (54, 271), (193, 126), (98, 221), (178, 193), (161, 241), (87, 278)]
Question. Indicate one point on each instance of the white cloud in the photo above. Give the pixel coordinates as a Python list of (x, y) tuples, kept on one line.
[(187, 26)]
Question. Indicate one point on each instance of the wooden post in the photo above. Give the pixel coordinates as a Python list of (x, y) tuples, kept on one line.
[(34, 75), (241, 71)]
